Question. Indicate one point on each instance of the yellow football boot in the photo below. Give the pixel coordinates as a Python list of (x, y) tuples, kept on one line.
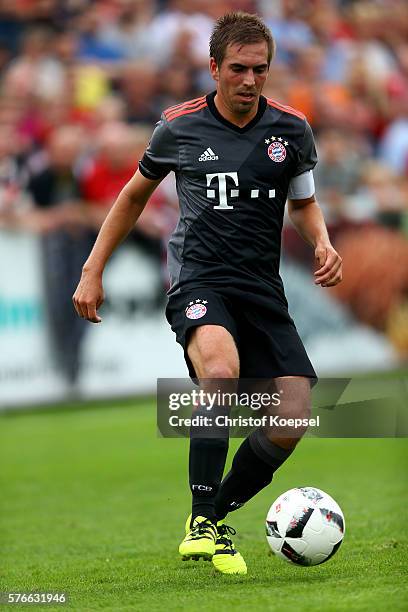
[(199, 542), (226, 558)]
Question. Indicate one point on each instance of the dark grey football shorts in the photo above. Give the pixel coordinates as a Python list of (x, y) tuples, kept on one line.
[(265, 335)]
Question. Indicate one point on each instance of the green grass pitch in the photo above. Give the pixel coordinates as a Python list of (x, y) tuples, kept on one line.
[(94, 503)]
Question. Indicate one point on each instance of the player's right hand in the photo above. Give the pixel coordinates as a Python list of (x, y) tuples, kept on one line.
[(89, 296)]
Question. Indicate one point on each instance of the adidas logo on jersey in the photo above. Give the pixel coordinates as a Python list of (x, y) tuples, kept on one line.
[(208, 155)]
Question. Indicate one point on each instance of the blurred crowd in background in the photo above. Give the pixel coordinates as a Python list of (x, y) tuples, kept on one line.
[(82, 84)]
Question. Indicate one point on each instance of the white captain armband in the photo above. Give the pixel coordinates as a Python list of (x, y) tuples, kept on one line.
[(301, 186)]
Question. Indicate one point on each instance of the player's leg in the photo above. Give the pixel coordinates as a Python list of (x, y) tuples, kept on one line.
[(206, 329), (214, 356), (265, 449), (270, 348)]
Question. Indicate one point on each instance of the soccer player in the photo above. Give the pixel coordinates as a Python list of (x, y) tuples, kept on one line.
[(238, 157)]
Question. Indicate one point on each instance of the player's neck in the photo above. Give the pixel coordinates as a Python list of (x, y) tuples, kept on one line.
[(239, 120)]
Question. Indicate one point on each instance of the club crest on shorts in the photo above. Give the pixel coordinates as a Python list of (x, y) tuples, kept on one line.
[(196, 309), (277, 148)]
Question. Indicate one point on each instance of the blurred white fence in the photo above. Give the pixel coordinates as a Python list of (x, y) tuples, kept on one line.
[(123, 355), (133, 346)]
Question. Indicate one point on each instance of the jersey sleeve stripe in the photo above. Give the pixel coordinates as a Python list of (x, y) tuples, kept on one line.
[(170, 116), (175, 106), (186, 111), (285, 109), (190, 104)]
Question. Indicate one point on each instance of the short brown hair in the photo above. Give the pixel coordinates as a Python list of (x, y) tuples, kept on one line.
[(242, 28)]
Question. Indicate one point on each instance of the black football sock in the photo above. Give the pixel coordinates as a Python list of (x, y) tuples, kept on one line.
[(252, 470), (206, 467)]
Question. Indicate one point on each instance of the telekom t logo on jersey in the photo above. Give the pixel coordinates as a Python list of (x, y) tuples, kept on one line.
[(222, 189)]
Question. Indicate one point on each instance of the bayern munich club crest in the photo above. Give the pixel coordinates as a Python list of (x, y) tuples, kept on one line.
[(276, 148), (196, 309)]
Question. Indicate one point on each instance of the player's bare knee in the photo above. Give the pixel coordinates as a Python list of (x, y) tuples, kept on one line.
[(221, 370), (294, 397)]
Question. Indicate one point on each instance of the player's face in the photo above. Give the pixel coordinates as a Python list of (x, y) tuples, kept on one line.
[(241, 77)]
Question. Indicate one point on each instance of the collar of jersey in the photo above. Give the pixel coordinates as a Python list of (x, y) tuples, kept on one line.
[(241, 130)]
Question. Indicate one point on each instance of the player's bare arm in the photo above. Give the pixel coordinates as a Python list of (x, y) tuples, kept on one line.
[(307, 217), (121, 218)]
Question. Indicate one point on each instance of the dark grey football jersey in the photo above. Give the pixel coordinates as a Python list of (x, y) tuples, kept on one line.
[(232, 185)]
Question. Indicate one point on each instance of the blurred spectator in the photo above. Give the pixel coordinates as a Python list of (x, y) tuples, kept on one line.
[(111, 109), (129, 32), (324, 102), (91, 45), (139, 86), (331, 32), (339, 162), (55, 192), (292, 35), (182, 29), (367, 26), (91, 86), (382, 195), (35, 71), (176, 85), (394, 144), (12, 178), (119, 148), (397, 83), (338, 171), (368, 100), (110, 169), (65, 47), (278, 83)]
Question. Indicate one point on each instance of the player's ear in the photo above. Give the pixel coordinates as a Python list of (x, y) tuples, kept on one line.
[(214, 69)]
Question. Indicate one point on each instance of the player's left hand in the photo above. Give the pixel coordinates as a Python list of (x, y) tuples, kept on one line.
[(329, 272)]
